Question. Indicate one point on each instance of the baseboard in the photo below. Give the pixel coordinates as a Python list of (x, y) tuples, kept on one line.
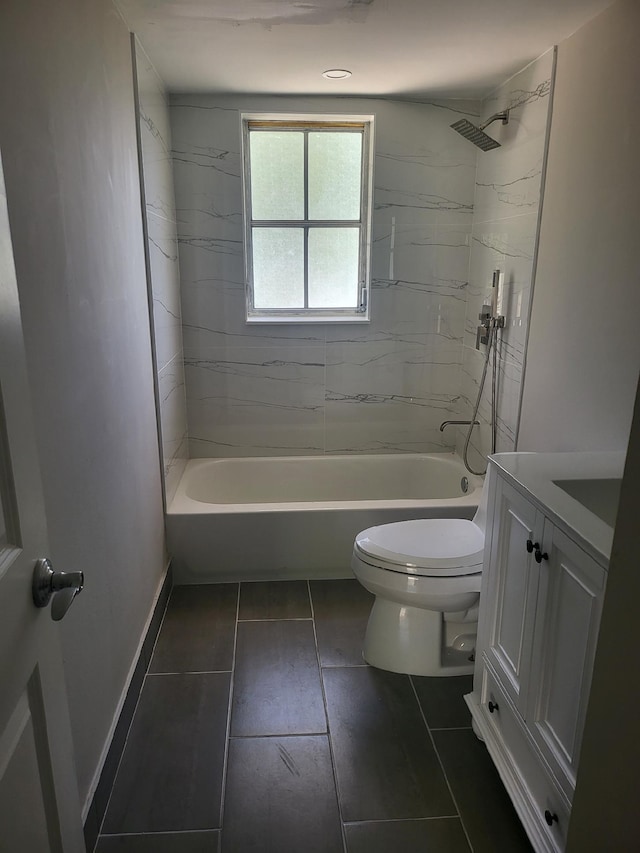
[(96, 802)]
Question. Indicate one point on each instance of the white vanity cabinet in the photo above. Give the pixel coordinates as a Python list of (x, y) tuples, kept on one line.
[(540, 608)]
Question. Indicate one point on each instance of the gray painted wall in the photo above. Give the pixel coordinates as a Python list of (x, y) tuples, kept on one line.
[(71, 170), (582, 373), (584, 347)]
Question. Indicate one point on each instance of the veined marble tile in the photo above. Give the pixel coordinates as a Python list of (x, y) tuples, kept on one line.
[(383, 371), (155, 136), (171, 392), (381, 434), (256, 400), (508, 178), (165, 285), (174, 470), (507, 245), (422, 254)]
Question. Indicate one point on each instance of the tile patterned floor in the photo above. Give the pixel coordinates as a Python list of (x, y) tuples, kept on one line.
[(259, 728)]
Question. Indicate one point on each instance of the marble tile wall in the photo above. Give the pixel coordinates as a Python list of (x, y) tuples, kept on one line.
[(504, 237), (312, 389), (155, 135)]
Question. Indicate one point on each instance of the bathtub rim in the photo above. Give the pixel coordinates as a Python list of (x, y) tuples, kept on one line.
[(182, 504)]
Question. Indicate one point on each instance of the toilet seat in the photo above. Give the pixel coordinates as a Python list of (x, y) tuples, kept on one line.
[(432, 547)]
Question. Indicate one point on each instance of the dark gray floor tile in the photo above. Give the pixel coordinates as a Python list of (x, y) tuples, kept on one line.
[(91, 826), (274, 600), (485, 808), (441, 700), (341, 609), (385, 762), (108, 774), (156, 620), (171, 842), (434, 835), (170, 778), (198, 629), (277, 689), (281, 797)]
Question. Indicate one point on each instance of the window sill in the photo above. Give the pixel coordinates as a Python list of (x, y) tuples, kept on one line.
[(307, 319)]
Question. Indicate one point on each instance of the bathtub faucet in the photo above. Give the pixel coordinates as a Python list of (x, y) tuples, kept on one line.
[(446, 423)]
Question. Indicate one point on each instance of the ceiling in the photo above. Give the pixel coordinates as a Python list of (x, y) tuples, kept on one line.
[(404, 48)]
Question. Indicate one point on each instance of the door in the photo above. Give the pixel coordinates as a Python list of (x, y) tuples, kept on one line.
[(39, 804)]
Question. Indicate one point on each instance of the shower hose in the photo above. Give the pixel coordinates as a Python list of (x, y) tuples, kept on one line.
[(492, 344)]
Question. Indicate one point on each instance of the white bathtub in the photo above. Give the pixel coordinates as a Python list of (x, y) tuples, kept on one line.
[(297, 516)]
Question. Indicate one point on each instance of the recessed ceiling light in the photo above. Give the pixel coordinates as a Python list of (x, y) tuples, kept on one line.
[(336, 74)]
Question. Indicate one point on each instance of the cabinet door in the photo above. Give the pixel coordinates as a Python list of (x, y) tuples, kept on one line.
[(570, 596), (512, 590)]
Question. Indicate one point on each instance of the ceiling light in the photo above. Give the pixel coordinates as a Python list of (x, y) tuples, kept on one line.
[(336, 74)]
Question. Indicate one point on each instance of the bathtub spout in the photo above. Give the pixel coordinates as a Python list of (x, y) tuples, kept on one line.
[(446, 423)]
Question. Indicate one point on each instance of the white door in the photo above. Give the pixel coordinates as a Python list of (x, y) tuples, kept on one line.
[(39, 804)]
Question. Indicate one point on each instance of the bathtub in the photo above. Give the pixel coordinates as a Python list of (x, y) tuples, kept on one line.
[(296, 517)]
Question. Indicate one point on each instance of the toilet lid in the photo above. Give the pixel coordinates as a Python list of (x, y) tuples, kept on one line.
[(443, 546)]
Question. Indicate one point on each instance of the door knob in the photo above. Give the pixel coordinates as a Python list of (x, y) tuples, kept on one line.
[(63, 586)]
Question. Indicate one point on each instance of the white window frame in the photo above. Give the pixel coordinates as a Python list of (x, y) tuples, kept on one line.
[(310, 122)]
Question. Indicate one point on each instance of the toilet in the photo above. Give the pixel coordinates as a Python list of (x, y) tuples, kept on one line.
[(425, 575)]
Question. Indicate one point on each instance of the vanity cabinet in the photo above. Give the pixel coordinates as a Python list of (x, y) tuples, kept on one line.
[(540, 608)]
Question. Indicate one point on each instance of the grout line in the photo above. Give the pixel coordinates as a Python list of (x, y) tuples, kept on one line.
[(345, 666), (326, 713), (288, 734), (225, 765), (133, 716), (158, 832), (451, 728), (402, 819), (192, 672), (279, 619), (446, 778)]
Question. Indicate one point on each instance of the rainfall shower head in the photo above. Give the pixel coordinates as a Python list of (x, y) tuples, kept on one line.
[(476, 134)]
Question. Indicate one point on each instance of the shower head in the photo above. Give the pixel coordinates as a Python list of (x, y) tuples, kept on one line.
[(476, 134)]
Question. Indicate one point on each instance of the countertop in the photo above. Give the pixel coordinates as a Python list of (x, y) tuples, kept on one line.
[(536, 473)]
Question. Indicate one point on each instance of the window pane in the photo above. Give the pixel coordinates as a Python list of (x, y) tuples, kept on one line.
[(333, 267), (277, 175), (278, 267), (334, 175)]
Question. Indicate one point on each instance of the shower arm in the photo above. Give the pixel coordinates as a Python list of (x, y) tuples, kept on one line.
[(503, 116)]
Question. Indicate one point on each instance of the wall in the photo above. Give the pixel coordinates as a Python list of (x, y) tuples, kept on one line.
[(162, 268), (69, 152), (505, 227), (582, 371), (584, 350), (292, 389)]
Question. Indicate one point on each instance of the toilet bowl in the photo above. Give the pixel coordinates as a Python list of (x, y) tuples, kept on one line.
[(425, 575)]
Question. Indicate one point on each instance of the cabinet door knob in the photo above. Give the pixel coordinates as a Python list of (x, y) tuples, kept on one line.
[(531, 545), (539, 555), (493, 706), (550, 818)]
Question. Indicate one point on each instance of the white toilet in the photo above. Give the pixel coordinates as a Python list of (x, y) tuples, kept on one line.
[(425, 575)]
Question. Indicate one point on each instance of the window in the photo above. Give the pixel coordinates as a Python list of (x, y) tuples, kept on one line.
[(307, 205)]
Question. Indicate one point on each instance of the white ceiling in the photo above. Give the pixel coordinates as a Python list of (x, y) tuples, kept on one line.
[(406, 48)]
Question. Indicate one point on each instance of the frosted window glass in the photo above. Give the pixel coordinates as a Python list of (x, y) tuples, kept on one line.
[(277, 175), (333, 267), (334, 175), (278, 267)]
